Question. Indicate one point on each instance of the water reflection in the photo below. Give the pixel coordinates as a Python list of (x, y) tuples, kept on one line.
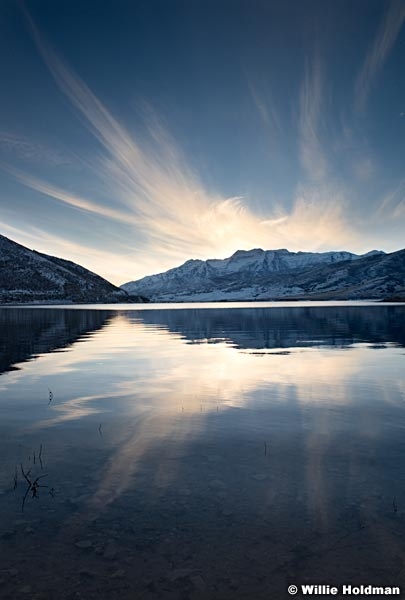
[(207, 454), (27, 333), (284, 327)]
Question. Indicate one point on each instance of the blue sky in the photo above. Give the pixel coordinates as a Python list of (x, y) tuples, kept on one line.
[(135, 135)]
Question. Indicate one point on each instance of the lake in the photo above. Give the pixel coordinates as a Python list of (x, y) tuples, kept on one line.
[(201, 451)]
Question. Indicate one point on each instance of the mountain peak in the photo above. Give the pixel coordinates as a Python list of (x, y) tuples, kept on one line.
[(374, 252), (268, 274), (246, 253)]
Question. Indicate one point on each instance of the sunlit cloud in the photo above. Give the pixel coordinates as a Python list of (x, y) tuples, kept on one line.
[(320, 209), (156, 192), (378, 52)]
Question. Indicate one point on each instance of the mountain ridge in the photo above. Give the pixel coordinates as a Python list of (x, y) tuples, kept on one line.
[(28, 276), (279, 274)]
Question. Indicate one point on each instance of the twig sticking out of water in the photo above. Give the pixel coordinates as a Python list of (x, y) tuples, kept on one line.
[(50, 396), (394, 506), (40, 456), (25, 475), (100, 430), (34, 457), (15, 478), (33, 486)]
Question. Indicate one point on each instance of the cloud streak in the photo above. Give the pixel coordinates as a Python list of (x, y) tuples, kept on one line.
[(29, 151), (311, 97), (382, 45), (64, 196), (392, 206), (264, 104), (157, 193)]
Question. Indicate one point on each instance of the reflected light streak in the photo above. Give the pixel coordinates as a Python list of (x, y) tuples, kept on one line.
[(161, 383)]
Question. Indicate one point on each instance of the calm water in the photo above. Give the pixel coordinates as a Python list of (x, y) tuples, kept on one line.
[(200, 453)]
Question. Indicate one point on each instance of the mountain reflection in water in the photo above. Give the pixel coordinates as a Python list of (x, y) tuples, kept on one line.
[(216, 453)]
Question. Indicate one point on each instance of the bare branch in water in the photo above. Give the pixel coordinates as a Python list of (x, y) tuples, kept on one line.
[(40, 456), (25, 475), (33, 486)]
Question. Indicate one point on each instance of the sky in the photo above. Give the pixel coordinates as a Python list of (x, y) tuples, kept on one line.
[(138, 134)]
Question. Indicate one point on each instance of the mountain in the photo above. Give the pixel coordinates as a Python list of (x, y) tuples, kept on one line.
[(29, 276), (279, 274)]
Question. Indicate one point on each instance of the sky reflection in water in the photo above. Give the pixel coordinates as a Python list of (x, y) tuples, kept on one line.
[(293, 416)]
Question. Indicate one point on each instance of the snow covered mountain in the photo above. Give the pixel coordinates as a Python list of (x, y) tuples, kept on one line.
[(275, 274), (29, 276)]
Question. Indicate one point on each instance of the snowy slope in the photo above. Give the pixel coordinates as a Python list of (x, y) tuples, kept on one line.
[(256, 274)]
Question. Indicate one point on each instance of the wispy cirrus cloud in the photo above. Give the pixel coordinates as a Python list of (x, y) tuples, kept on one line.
[(321, 200), (65, 196), (265, 106), (385, 39), (154, 190), (30, 151), (320, 209), (392, 206), (312, 155)]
